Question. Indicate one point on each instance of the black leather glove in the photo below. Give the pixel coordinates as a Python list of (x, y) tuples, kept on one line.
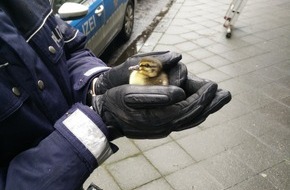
[(120, 74), (148, 112), (155, 111), (221, 98)]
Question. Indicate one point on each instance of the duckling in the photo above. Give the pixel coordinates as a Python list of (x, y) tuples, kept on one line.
[(148, 72)]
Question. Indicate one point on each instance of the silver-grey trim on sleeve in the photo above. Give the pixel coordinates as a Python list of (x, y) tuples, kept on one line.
[(89, 135)]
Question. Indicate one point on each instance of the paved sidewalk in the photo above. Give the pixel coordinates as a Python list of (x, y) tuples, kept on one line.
[(244, 146)]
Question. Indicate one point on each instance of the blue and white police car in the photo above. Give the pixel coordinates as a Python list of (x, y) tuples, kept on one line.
[(100, 20)]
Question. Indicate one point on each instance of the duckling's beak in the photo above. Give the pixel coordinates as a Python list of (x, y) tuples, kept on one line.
[(135, 67)]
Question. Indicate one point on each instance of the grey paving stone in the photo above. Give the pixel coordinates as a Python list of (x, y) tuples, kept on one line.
[(216, 61), (207, 32), (254, 99), (126, 149), (159, 184), (144, 145), (174, 30), (200, 53), (239, 33), (133, 172), (163, 47), (237, 69), (235, 44), (187, 59), (163, 25), (234, 109), (102, 178), (203, 42), (256, 183), (286, 101), (271, 32), (184, 133), (278, 139), (284, 66), (183, 14), (196, 22), (213, 141), (197, 67), (174, 9), (278, 112), (276, 91), (235, 86), (255, 124), (214, 75), (271, 58), (234, 55), (191, 3), (282, 41), (168, 158), (230, 135), (193, 177), (210, 23), (171, 39), (218, 48), (201, 146), (180, 22), (285, 81), (272, 72), (257, 155), (187, 46), (150, 42), (279, 175), (215, 119), (191, 35), (255, 63), (252, 39), (227, 169), (253, 80)]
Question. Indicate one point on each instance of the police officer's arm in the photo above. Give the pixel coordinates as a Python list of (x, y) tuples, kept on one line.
[(65, 158), (83, 65), (74, 149)]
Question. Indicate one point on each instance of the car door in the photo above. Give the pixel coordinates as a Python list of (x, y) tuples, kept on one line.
[(114, 16), (91, 25)]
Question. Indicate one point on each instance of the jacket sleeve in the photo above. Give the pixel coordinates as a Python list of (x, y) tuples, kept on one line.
[(83, 65), (79, 136)]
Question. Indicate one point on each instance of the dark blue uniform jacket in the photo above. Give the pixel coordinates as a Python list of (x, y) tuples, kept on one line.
[(49, 138)]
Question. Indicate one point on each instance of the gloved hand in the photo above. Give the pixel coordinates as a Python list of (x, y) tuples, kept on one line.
[(148, 112), (120, 74), (221, 98)]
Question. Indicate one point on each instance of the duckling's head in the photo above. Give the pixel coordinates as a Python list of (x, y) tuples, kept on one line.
[(148, 66)]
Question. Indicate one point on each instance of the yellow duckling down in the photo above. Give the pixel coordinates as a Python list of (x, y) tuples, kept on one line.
[(148, 72)]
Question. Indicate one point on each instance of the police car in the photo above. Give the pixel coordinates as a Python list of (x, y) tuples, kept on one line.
[(100, 20)]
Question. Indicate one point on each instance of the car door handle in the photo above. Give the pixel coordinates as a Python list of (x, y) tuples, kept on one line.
[(99, 10)]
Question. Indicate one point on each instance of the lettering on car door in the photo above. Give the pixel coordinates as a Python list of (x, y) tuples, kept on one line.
[(89, 25)]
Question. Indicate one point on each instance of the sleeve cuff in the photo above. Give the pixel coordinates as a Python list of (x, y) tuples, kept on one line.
[(85, 130), (92, 72)]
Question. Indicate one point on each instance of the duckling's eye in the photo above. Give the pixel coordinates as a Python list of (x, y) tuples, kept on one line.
[(145, 65)]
